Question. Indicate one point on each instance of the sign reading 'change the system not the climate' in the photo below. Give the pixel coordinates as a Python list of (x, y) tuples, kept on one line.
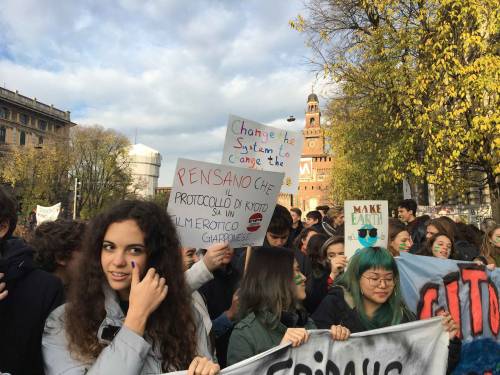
[(252, 145), (213, 203), (366, 225)]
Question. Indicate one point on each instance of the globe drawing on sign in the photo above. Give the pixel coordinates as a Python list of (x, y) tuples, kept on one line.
[(367, 235)]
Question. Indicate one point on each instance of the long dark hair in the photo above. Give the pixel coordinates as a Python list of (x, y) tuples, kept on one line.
[(171, 327), (313, 251), (297, 242), (267, 284)]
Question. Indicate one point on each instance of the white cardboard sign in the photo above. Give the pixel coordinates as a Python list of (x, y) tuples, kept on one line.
[(252, 145), (366, 225), (213, 203)]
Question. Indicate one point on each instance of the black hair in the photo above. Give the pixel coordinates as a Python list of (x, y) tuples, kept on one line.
[(313, 250), (171, 327), (297, 242), (8, 212), (316, 215), (55, 241), (410, 205), (281, 221), (469, 233), (323, 208), (298, 211)]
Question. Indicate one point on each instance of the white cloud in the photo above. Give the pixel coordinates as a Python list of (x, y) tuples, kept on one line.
[(172, 70)]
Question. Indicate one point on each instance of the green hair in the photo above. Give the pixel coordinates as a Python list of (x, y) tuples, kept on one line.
[(392, 311)]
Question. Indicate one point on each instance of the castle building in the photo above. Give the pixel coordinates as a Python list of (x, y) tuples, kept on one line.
[(315, 164)]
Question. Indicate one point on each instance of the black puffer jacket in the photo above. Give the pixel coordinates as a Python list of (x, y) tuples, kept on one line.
[(335, 310), (33, 294)]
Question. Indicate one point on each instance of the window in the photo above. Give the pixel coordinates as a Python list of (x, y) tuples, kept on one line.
[(4, 113), (3, 134), (311, 121), (42, 125), (24, 118), (22, 138)]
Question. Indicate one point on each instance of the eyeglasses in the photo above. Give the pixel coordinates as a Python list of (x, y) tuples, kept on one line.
[(371, 232), (375, 281)]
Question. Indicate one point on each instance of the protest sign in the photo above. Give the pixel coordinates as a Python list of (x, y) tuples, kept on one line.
[(212, 203), (366, 225), (469, 292), (47, 213), (413, 348), (249, 144)]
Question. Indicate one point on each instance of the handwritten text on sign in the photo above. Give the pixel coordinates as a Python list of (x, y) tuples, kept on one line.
[(213, 203), (252, 145)]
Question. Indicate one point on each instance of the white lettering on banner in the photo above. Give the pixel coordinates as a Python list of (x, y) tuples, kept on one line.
[(413, 348), (213, 203)]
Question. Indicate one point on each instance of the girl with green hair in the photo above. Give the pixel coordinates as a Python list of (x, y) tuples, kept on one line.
[(367, 296)]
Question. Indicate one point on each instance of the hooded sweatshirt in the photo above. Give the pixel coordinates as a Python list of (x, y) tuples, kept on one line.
[(32, 295)]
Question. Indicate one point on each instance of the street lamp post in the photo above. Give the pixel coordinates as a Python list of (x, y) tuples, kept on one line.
[(291, 118)]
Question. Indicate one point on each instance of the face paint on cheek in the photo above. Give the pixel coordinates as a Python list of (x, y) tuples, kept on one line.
[(297, 279), (402, 246), (496, 240), (436, 249)]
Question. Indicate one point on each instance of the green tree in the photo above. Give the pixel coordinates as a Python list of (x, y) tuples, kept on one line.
[(38, 175), (101, 164)]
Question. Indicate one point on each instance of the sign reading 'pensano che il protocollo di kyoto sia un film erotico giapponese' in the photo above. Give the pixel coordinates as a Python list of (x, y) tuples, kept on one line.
[(213, 203)]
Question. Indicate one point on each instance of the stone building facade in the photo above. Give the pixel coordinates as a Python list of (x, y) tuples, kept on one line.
[(26, 122)]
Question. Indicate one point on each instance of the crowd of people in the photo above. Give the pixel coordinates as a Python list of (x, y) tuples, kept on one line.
[(119, 294)]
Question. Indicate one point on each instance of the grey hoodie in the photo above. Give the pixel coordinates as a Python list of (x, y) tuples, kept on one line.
[(127, 353)]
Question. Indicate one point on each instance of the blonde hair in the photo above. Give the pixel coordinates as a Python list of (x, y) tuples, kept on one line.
[(334, 212)]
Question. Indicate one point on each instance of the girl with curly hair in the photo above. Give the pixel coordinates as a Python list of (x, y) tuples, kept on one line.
[(129, 310)]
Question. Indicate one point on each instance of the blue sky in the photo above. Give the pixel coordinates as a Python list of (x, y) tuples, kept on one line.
[(173, 70)]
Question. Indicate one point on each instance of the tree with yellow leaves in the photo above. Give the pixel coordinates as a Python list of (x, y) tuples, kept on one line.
[(428, 73), (39, 175)]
